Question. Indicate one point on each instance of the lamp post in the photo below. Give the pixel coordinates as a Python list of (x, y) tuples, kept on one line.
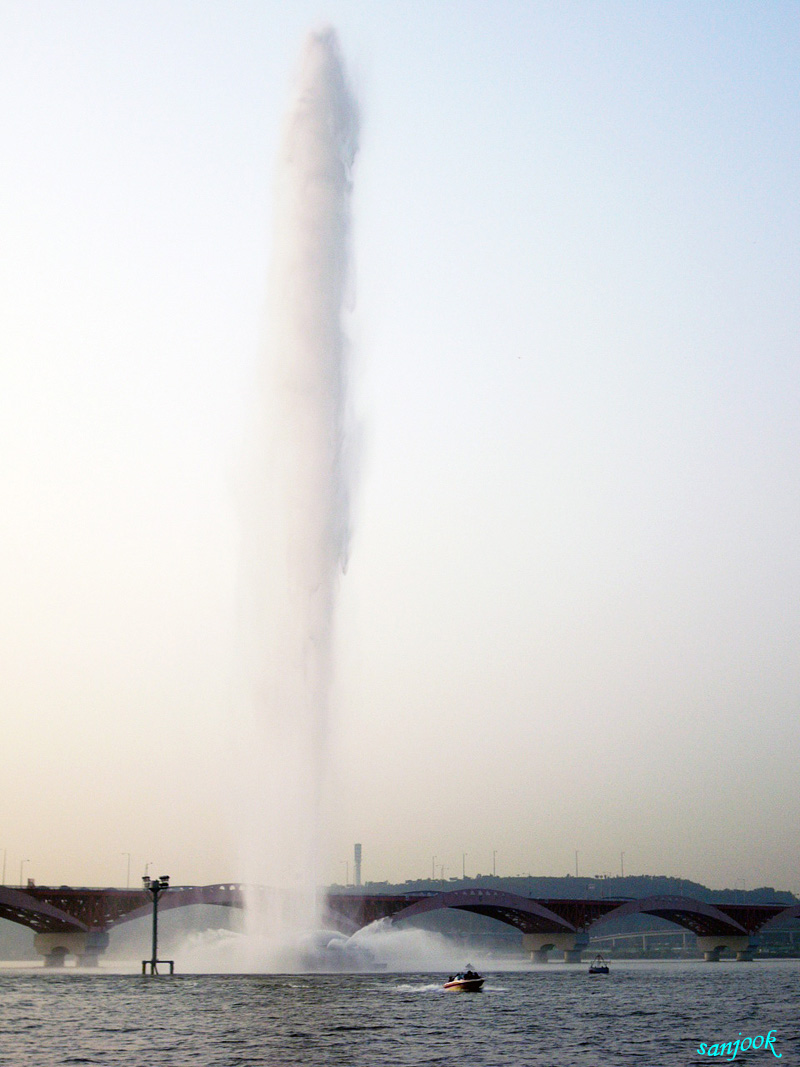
[(156, 886)]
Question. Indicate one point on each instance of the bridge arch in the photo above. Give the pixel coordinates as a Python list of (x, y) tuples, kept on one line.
[(715, 929), (227, 895), (526, 915), (790, 912), (38, 915), (702, 919)]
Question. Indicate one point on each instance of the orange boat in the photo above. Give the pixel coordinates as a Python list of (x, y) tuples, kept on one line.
[(467, 981)]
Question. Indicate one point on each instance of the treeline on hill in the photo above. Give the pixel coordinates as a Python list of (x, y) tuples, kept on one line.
[(581, 888)]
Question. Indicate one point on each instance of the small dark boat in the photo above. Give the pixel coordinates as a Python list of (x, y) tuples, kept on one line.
[(598, 966), (467, 981)]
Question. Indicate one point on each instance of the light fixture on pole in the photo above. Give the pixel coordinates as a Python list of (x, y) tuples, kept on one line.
[(156, 886)]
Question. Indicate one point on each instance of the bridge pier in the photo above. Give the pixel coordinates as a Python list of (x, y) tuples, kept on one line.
[(744, 946), (572, 944), (57, 957), (86, 946), (96, 944), (747, 955)]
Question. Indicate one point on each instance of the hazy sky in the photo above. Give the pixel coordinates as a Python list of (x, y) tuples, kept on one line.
[(572, 614)]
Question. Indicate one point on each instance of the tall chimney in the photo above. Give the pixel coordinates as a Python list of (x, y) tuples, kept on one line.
[(357, 859)]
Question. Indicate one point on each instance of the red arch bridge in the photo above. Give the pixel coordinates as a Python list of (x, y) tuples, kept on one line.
[(68, 920)]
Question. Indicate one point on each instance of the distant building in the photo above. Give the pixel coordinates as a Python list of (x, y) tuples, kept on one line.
[(357, 863)]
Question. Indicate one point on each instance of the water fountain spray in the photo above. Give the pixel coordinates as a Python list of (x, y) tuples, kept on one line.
[(297, 525)]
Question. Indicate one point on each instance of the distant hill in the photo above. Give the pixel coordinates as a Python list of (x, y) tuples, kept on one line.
[(600, 887)]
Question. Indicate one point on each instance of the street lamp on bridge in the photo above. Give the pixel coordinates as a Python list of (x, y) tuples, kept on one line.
[(156, 886)]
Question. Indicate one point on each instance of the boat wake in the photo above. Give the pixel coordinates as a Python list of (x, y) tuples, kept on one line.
[(417, 987)]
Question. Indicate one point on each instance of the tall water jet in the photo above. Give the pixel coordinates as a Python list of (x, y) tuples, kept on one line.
[(297, 517)]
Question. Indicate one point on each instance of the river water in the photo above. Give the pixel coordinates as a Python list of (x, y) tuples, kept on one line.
[(648, 1014)]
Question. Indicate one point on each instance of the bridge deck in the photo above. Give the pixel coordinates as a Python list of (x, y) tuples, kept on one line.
[(66, 908)]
